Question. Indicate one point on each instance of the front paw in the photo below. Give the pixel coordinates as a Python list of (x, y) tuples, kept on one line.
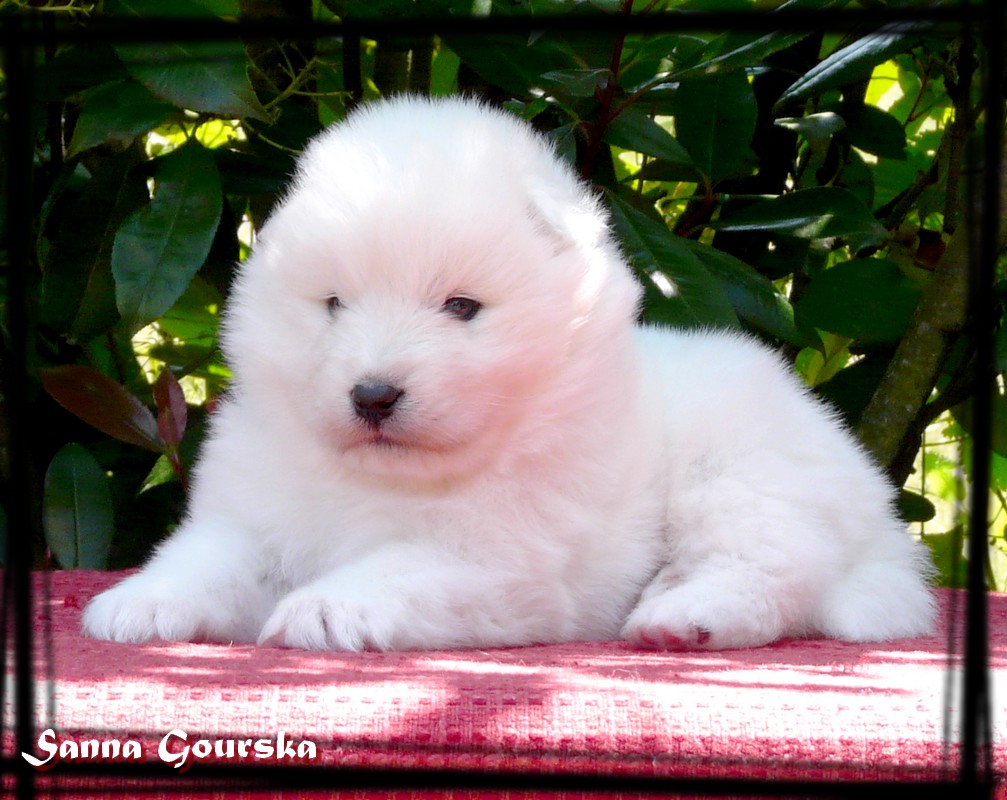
[(140, 610), (314, 618)]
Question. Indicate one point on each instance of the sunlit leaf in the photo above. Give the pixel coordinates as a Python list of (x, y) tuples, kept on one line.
[(634, 130), (678, 289), (159, 248), (161, 473), (818, 213), (853, 62)]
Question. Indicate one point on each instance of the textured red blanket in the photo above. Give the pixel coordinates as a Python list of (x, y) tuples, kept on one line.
[(800, 709)]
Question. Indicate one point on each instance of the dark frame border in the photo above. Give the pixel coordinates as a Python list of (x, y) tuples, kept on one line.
[(22, 34)]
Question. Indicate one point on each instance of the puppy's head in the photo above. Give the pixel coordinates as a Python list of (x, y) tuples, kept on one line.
[(419, 296)]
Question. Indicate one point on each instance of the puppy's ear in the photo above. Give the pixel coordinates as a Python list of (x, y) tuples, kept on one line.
[(566, 214)]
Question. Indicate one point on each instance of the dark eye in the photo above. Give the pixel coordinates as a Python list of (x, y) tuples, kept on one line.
[(332, 303), (462, 307)]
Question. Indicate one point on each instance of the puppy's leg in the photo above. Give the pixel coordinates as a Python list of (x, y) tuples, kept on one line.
[(755, 558), (747, 566), (860, 606), (406, 596), (724, 603), (205, 582)]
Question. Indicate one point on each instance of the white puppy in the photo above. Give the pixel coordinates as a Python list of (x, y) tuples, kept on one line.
[(445, 431)]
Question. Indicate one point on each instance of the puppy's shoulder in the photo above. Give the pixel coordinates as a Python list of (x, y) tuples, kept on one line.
[(704, 347)]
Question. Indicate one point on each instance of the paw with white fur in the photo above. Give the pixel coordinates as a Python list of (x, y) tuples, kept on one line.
[(697, 615), (142, 609), (319, 617)]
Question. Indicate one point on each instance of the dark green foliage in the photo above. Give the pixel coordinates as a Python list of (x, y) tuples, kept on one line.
[(77, 515), (687, 294), (805, 187)]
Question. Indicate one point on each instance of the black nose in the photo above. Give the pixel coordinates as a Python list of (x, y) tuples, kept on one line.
[(374, 402)]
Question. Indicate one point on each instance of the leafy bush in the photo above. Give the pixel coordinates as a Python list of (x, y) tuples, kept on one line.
[(808, 187)]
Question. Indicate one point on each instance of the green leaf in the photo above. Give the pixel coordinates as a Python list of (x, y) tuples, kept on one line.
[(576, 82), (858, 178), (715, 120), (444, 72), (742, 49), (78, 291), (194, 319), (678, 290), (892, 177), (649, 57), (210, 77), (634, 130), (852, 387), (736, 51), (77, 515), (511, 64), (852, 62), (100, 401), (913, 507), (755, 299), (868, 299), (564, 142), (877, 132), (158, 249), (161, 473), (222, 8), (946, 554), (819, 213), (1000, 350), (74, 69), (118, 112)]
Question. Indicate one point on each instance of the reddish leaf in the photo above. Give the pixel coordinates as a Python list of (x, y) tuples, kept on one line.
[(103, 403), (172, 412)]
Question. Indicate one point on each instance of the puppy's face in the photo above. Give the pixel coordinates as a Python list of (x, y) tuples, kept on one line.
[(411, 315)]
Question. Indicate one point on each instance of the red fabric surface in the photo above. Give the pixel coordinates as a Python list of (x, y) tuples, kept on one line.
[(799, 709)]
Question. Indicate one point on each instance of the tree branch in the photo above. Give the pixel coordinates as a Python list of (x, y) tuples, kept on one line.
[(913, 372)]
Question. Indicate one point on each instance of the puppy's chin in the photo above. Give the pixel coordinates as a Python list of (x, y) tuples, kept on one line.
[(380, 454)]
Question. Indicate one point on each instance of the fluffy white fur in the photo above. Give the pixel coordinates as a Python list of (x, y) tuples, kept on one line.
[(549, 473)]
